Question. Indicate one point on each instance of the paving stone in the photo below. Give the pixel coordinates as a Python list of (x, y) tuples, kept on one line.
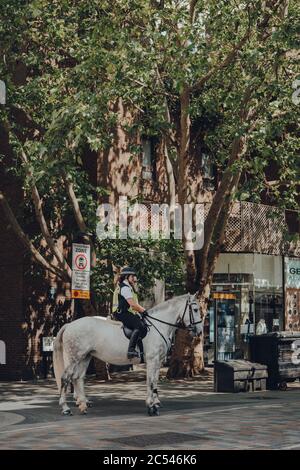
[(30, 417)]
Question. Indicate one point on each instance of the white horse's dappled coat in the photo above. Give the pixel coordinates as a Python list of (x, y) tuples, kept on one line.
[(103, 338)]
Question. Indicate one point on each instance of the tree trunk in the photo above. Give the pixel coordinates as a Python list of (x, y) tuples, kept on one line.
[(181, 359), (187, 359)]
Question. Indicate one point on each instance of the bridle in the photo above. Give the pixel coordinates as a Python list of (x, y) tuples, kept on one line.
[(180, 325), (192, 323)]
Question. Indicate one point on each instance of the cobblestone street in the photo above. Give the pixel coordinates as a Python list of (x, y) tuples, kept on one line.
[(192, 417)]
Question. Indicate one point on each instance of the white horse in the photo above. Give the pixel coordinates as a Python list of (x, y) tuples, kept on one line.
[(104, 339)]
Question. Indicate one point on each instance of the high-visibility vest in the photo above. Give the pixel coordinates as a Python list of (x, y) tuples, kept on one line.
[(115, 304)]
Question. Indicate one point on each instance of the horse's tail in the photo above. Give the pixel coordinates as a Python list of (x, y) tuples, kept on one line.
[(58, 357)]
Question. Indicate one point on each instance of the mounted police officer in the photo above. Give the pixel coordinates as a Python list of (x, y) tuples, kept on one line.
[(127, 309)]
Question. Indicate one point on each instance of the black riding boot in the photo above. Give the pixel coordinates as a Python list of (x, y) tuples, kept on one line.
[(132, 344)]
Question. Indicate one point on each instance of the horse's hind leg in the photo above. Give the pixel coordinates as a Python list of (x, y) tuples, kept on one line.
[(78, 381), (81, 400), (65, 381)]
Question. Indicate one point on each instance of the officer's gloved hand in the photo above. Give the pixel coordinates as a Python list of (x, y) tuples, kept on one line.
[(144, 314)]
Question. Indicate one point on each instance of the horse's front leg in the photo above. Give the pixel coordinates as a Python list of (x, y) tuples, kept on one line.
[(156, 400), (152, 401)]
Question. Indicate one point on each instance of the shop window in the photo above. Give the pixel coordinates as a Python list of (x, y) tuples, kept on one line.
[(269, 308), (292, 219), (240, 309), (208, 171), (149, 158)]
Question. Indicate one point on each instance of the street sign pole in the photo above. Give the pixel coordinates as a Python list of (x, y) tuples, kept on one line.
[(215, 343)]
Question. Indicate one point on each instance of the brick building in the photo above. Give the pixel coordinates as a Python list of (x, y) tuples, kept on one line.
[(257, 275)]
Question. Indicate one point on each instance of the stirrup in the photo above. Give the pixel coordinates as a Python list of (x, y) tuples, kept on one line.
[(132, 354)]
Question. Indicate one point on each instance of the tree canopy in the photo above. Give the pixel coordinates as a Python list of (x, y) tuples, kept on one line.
[(208, 77)]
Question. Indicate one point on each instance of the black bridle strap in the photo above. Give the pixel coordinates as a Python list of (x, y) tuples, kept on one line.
[(180, 324), (176, 325), (151, 324)]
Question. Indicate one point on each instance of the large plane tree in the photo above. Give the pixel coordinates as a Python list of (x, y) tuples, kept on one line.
[(213, 75)]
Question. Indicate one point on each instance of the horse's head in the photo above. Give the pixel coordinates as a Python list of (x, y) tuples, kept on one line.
[(192, 316)]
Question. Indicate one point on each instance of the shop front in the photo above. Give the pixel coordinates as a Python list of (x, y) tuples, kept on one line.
[(292, 293), (246, 298)]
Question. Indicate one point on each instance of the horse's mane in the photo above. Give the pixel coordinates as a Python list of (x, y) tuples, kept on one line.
[(165, 304)]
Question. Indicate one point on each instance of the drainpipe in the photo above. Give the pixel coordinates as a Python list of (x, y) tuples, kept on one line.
[(283, 292), (215, 343)]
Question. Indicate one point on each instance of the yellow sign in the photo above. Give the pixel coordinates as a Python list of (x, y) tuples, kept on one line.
[(223, 296), (80, 294)]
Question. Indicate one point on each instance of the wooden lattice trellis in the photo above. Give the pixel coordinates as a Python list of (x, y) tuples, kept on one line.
[(263, 227), (252, 228), (258, 228)]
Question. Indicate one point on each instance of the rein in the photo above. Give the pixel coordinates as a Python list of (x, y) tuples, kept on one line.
[(179, 325)]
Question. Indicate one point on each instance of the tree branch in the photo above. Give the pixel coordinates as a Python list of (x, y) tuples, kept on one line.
[(193, 4), (220, 227), (74, 202), (227, 61), (38, 258), (185, 127), (276, 183), (42, 221), (238, 149), (170, 135), (77, 212), (24, 119), (171, 183), (273, 6)]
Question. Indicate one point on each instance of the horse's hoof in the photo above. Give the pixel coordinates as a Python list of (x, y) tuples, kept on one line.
[(83, 408), (153, 410), (67, 413)]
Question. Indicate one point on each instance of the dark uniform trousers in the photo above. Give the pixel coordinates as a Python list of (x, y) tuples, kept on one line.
[(133, 321)]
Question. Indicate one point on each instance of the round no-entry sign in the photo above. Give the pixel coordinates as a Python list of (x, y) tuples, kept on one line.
[(81, 261)]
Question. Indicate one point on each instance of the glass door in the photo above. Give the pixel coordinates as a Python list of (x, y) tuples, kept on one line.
[(225, 314)]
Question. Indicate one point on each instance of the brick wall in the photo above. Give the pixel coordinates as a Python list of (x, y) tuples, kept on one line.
[(11, 273), (11, 300)]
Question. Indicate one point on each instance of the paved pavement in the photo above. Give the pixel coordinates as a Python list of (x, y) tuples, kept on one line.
[(192, 417)]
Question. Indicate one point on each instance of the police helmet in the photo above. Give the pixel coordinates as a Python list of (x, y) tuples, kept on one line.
[(127, 271)]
